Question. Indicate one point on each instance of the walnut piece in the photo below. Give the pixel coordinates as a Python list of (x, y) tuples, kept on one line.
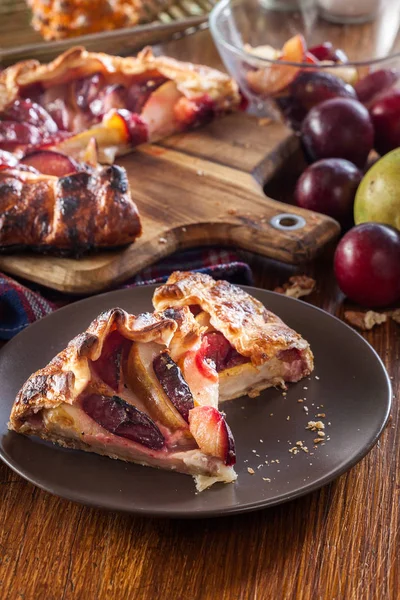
[(365, 320), (297, 286), (396, 315)]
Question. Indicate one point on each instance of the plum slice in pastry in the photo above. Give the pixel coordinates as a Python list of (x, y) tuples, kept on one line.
[(120, 102), (250, 347), (117, 391)]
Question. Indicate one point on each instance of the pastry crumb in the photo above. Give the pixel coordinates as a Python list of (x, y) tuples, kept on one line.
[(364, 320), (250, 470), (315, 425), (297, 286), (299, 446), (266, 479), (300, 400), (288, 418)]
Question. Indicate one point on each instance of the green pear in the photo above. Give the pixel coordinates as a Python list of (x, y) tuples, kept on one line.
[(378, 195)]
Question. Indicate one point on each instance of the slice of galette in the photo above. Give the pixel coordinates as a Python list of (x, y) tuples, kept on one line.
[(51, 203), (116, 390), (249, 346), (120, 102)]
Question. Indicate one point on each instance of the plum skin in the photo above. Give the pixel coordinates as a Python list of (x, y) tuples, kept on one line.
[(311, 88), (338, 128), (329, 186), (367, 264), (385, 114), (375, 84), (173, 383)]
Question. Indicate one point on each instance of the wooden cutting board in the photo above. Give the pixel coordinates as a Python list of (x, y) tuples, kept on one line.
[(194, 189)]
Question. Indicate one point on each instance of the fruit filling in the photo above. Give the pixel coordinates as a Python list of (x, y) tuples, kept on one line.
[(212, 433), (115, 110), (154, 405), (216, 348), (42, 162), (110, 365), (172, 382), (79, 104), (122, 419)]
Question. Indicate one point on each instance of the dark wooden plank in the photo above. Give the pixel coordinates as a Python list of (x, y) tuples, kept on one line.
[(240, 142)]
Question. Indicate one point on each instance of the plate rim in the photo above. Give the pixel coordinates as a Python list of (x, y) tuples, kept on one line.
[(211, 513)]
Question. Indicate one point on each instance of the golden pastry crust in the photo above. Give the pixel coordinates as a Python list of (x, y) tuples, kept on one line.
[(191, 80), (253, 331), (71, 215), (68, 374)]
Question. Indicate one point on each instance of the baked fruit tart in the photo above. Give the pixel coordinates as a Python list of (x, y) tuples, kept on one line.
[(116, 391), (250, 347), (118, 102), (59, 121), (146, 388)]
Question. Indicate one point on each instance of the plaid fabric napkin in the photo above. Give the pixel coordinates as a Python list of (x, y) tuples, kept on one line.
[(21, 305)]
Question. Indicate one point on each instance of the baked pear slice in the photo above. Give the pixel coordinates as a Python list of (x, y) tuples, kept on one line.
[(142, 378)]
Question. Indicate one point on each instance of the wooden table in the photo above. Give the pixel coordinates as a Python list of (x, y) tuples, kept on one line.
[(338, 543)]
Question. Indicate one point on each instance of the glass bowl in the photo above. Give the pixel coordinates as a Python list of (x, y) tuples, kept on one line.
[(270, 80)]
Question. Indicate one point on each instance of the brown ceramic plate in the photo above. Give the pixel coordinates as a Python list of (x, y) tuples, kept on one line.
[(350, 386)]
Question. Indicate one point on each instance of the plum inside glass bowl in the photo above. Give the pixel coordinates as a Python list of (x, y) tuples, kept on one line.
[(287, 61)]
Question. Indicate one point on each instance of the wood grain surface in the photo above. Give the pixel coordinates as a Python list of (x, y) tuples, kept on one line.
[(339, 543), (195, 189)]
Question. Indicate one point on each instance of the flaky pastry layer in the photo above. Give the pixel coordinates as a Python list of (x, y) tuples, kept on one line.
[(253, 330)]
